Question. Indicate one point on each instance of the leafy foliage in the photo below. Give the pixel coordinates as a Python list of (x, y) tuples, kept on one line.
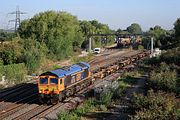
[(134, 29), (77, 113), (163, 76), (33, 54), (6, 36), (164, 80), (14, 73), (11, 52), (140, 47), (155, 106), (158, 34), (177, 29), (171, 56), (94, 27), (59, 31), (105, 98)]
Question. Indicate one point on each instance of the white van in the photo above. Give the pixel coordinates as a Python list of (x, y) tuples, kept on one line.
[(97, 50)]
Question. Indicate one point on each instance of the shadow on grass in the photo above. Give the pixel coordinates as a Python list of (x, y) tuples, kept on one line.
[(130, 80), (107, 116)]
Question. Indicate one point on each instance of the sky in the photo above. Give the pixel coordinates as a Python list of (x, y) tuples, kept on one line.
[(115, 13)]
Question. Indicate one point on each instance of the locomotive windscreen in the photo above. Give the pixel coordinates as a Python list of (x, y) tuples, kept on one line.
[(53, 81), (43, 81)]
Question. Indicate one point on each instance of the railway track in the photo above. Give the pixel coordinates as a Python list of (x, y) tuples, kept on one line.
[(26, 105)]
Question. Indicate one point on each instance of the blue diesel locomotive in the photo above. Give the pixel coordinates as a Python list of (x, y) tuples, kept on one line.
[(57, 84)]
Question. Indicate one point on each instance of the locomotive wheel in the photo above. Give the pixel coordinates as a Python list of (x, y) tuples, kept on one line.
[(41, 100), (78, 88), (49, 102), (72, 91), (68, 93), (54, 101)]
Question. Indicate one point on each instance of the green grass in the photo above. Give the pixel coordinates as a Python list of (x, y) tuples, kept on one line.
[(79, 112), (55, 67), (129, 80), (130, 77), (122, 84), (87, 58), (178, 112), (51, 68)]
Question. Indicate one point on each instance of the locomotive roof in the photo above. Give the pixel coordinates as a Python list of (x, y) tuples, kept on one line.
[(68, 70)]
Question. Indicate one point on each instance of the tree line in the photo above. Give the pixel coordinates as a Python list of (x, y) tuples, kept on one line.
[(48, 35)]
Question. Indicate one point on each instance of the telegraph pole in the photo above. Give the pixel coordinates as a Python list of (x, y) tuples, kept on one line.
[(152, 48), (90, 46), (17, 21)]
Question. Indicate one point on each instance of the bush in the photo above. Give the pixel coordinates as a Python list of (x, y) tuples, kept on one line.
[(163, 78), (11, 53), (14, 73), (118, 93), (171, 56), (140, 47), (78, 112), (33, 54), (1, 62), (67, 116), (155, 106), (102, 108), (1, 71), (105, 98)]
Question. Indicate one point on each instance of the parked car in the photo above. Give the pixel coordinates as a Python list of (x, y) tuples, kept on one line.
[(97, 50)]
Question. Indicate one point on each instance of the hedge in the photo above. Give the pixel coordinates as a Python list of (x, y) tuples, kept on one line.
[(14, 73)]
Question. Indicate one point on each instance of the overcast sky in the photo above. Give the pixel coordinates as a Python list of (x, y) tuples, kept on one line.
[(115, 13)]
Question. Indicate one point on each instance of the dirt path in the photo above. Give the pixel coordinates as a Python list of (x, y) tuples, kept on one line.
[(121, 111)]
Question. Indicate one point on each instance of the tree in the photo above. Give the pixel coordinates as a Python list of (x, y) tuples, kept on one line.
[(11, 51), (33, 54), (177, 29), (159, 35), (60, 31), (94, 27), (87, 28), (134, 29), (119, 30)]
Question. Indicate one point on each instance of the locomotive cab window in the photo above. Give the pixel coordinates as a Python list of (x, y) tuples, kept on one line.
[(60, 81), (53, 81), (43, 81)]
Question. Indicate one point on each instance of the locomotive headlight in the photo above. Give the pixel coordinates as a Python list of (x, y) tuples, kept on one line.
[(40, 91)]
